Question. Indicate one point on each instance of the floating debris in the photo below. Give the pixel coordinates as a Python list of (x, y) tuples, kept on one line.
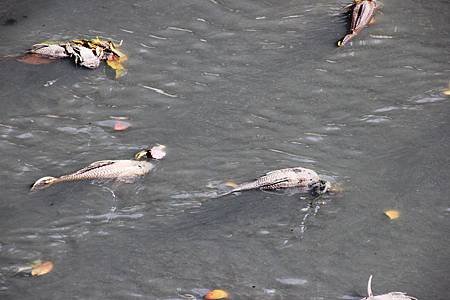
[(392, 214), (388, 296), (87, 53), (362, 16), (37, 268), (216, 295), (292, 281), (159, 91), (41, 268)]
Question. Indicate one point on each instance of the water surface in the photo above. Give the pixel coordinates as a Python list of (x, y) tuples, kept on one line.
[(234, 89)]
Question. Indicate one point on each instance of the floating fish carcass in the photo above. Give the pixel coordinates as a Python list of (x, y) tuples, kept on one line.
[(388, 296), (362, 15), (121, 170), (85, 52), (304, 179)]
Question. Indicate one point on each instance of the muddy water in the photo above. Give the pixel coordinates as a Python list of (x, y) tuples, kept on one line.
[(234, 89)]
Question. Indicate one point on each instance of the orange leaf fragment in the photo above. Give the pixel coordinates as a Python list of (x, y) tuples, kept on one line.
[(392, 214), (120, 125), (35, 59), (115, 63), (41, 268), (216, 295)]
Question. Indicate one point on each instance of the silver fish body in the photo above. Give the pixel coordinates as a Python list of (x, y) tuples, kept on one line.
[(110, 169), (49, 50), (297, 177), (83, 56), (122, 170)]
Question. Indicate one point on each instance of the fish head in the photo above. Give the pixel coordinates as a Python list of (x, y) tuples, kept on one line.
[(325, 185), (43, 182)]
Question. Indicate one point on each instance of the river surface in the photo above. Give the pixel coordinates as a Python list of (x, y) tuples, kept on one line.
[(233, 88)]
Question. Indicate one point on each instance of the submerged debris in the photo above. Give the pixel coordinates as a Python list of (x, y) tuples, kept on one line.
[(120, 125), (363, 13), (388, 296), (86, 53), (446, 91)]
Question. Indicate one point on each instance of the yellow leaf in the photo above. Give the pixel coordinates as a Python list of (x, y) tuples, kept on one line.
[(216, 295), (117, 52), (392, 214), (117, 66)]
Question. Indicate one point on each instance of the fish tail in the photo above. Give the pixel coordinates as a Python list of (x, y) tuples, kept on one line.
[(240, 188)]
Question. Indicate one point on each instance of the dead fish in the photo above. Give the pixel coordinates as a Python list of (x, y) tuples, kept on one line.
[(86, 53), (83, 56), (297, 177), (388, 296), (49, 50), (363, 13), (121, 170)]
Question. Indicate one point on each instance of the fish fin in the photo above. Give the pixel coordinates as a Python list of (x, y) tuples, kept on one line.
[(270, 172), (348, 7), (220, 195), (95, 165), (278, 171), (240, 188)]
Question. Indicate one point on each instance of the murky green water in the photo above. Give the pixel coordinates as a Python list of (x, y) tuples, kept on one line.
[(234, 89)]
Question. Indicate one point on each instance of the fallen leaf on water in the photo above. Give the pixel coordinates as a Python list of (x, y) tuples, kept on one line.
[(216, 295), (446, 92), (231, 184), (35, 59), (121, 125), (41, 268), (116, 65), (392, 214), (117, 52)]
